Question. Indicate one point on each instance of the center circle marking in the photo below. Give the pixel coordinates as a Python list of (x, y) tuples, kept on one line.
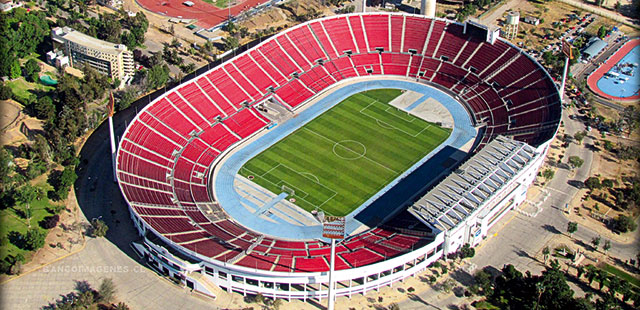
[(349, 149)]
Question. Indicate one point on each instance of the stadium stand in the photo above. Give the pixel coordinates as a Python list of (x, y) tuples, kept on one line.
[(167, 153)]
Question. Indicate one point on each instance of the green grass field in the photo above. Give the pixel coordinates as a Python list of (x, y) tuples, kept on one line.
[(343, 157)]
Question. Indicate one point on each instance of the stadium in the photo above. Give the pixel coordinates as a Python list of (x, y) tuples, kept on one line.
[(418, 133)]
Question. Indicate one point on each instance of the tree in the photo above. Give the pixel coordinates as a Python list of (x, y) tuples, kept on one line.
[(34, 239), (31, 69), (483, 280), (50, 221), (602, 31), (624, 289), (631, 118), (614, 285), (545, 254), (121, 305), (98, 228), (45, 109), (259, 299), (572, 227), (26, 194), (580, 271), (606, 246), (591, 273), (230, 43), (157, 76), (593, 183), (5, 92), (63, 184), (467, 251), (575, 161), (578, 136), (126, 98), (15, 70), (607, 183), (596, 242), (623, 223), (548, 174), (277, 303), (601, 277), (107, 290)]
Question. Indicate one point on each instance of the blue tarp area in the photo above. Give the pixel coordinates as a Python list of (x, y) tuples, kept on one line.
[(594, 47)]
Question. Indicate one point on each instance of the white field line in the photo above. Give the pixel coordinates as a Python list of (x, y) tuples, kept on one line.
[(380, 122), (373, 161)]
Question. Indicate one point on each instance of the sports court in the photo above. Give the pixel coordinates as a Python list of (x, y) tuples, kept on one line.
[(334, 163), (207, 14), (619, 77)]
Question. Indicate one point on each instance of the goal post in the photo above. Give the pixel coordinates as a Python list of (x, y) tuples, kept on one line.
[(288, 190)]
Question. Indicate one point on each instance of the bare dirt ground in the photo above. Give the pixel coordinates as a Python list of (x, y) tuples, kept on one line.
[(11, 121), (68, 236)]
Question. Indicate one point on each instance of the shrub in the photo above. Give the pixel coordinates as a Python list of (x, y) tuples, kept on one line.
[(34, 239), (50, 221)]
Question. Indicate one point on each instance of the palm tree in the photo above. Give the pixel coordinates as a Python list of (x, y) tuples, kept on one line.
[(545, 253)]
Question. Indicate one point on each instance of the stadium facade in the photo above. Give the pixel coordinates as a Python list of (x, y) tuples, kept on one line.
[(168, 155)]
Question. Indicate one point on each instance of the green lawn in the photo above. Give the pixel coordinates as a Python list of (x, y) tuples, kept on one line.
[(343, 157), (621, 274), (10, 220), (219, 3), (24, 89)]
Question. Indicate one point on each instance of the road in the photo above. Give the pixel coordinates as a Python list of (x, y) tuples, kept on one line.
[(518, 239), (581, 71), (603, 12)]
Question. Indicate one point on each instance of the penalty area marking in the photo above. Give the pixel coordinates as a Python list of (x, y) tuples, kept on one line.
[(389, 126)]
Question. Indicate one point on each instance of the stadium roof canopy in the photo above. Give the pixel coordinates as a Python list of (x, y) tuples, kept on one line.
[(473, 183)]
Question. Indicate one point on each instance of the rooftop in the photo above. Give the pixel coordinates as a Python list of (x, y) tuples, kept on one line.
[(473, 183), (78, 37)]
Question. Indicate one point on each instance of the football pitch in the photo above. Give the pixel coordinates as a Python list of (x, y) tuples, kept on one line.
[(341, 158)]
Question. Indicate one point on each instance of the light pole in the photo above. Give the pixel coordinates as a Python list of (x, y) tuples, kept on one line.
[(333, 228)]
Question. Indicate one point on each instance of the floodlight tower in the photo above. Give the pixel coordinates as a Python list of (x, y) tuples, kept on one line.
[(112, 136), (333, 228), (567, 50), (428, 8)]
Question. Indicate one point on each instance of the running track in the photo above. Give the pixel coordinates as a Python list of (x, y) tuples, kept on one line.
[(592, 80), (208, 15)]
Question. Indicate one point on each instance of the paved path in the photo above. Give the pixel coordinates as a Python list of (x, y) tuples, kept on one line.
[(517, 239), (604, 12), (496, 13)]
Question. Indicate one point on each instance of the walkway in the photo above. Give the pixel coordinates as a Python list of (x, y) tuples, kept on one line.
[(603, 12)]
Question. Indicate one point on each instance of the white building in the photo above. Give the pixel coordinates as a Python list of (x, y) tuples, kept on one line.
[(111, 59), (8, 5), (477, 194)]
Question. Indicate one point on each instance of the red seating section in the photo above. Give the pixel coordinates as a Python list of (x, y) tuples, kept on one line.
[(166, 153)]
